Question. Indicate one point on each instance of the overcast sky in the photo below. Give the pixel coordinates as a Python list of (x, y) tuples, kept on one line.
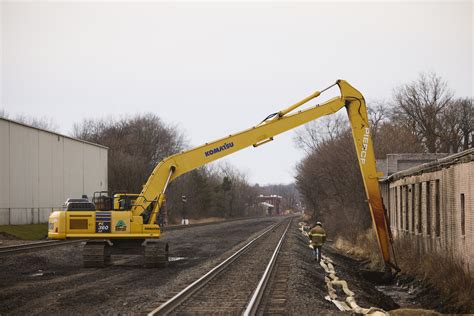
[(217, 68)]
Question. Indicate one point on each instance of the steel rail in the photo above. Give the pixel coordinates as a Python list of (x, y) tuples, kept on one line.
[(178, 227), (6, 250), (191, 289), (254, 303)]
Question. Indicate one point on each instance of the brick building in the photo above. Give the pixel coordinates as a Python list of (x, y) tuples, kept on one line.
[(433, 205)]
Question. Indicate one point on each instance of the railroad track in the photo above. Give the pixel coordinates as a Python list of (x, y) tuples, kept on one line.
[(178, 227), (7, 250), (235, 286)]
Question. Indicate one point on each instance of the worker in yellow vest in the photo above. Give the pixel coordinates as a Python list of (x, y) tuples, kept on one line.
[(317, 236)]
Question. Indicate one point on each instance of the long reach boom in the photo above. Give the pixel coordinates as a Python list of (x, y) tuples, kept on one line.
[(143, 211)]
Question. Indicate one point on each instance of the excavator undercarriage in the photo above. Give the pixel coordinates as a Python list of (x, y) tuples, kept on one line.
[(97, 253)]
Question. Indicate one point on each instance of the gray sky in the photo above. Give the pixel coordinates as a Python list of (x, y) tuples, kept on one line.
[(217, 68)]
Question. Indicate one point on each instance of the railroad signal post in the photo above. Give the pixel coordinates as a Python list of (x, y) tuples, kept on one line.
[(184, 220)]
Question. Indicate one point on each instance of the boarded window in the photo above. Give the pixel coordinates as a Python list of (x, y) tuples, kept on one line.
[(392, 209), (401, 207), (407, 212), (463, 216), (412, 208), (437, 210), (419, 208), (396, 207), (428, 208)]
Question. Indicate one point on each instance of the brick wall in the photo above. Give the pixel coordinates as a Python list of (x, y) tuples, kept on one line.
[(435, 209)]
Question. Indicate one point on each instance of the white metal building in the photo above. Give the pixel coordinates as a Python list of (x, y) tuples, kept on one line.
[(40, 169)]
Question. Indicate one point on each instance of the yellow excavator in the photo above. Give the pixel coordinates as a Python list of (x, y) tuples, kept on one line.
[(127, 223)]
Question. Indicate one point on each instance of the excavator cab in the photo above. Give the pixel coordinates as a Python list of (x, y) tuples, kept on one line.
[(109, 201)]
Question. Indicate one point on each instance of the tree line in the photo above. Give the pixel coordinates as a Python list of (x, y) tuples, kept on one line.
[(138, 143), (422, 116)]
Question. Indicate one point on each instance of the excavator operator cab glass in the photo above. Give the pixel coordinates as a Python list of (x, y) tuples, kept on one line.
[(102, 201), (124, 202)]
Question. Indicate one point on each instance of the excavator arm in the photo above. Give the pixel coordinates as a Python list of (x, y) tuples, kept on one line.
[(153, 193)]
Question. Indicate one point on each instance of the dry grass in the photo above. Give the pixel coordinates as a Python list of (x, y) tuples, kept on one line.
[(365, 248), (26, 232), (412, 312), (443, 272)]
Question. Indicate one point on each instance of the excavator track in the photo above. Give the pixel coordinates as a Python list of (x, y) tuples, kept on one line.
[(156, 255), (94, 255)]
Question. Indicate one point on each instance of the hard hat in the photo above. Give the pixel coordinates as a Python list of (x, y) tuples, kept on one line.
[(319, 223)]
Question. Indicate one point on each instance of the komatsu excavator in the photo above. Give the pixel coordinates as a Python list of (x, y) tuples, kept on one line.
[(127, 223)]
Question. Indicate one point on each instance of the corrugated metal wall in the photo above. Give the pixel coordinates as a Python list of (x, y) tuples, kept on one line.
[(39, 170), (435, 209)]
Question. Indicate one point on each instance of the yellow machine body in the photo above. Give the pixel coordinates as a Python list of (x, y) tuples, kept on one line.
[(100, 224)]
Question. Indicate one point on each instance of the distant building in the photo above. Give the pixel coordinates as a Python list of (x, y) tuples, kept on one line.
[(398, 162), (432, 204), (272, 202), (40, 169)]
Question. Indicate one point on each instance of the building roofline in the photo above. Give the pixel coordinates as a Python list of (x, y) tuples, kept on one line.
[(464, 156), (416, 154), (52, 132)]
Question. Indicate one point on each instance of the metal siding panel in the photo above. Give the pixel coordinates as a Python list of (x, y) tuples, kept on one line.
[(19, 216), (57, 149), (4, 216), (95, 169), (20, 196), (43, 214), (45, 161), (33, 162), (73, 168), (92, 172), (104, 168), (4, 167)]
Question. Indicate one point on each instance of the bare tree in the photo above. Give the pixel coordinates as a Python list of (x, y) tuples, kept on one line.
[(3, 113), (458, 125), (136, 145), (465, 110), (378, 115), (419, 106), (44, 122), (316, 132)]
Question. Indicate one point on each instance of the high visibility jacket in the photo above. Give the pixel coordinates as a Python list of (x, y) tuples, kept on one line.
[(317, 235)]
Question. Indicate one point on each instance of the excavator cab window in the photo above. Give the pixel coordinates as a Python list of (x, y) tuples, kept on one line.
[(125, 203), (103, 201)]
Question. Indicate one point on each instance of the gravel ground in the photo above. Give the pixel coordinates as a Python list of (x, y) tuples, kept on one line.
[(52, 281), (307, 287)]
